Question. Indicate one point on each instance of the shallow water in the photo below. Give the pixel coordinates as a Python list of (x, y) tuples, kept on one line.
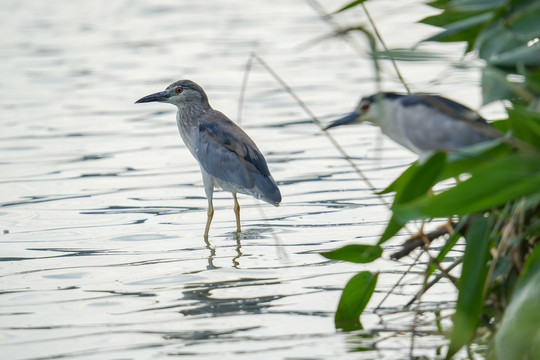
[(103, 210)]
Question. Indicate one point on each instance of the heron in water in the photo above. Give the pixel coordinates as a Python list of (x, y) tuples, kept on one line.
[(227, 156), (422, 123)]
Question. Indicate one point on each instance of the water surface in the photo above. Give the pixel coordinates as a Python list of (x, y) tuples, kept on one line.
[(102, 207)]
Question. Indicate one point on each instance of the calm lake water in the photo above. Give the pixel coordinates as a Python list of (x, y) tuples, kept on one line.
[(102, 207)]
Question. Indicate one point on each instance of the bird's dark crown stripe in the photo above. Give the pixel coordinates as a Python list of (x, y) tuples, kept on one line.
[(386, 95), (445, 105)]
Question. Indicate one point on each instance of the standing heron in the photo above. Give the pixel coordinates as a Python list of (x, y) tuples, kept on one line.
[(227, 156), (422, 123)]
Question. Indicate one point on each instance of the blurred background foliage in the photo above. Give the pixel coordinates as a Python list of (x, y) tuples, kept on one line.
[(496, 208)]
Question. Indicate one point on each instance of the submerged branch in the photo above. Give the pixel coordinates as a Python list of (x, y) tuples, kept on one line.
[(422, 239)]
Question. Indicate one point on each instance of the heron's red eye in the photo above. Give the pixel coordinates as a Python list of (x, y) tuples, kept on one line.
[(179, 90), (365, 107)]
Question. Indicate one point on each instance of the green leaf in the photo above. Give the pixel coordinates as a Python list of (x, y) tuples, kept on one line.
[(471, 284), (403, 179), (353, 301), (532, 79), (503, 125), (501, 47), (530, 269), (410, 55), (519, 334), (447, 17), (495, 86), (523, 18), (349, 5), (355, 253), (457, 162), (393, 227), (504, 42), (493, 41), (423, 178), (416, 181), (439, 4), (492, 185), (477, 5), (471, 158), (520, 55), (525, 125), (464, 30)]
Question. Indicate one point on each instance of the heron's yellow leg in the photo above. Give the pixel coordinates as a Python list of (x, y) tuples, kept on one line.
[(237, 212), (209, 216)]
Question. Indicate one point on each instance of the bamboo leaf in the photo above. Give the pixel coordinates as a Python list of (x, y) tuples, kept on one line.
[(504, 180), (403, 179), (464, 30), (349, 6), (532, 79), (410, 55), (521, 55), (353, 301), (355, 253), (471, 158), (446, 18), (439, 4), (495, 85), (471, 284), (393, 227), (525, 124), (519, 335), (416, 181), (422, 178), (457, 162), (477, 5)]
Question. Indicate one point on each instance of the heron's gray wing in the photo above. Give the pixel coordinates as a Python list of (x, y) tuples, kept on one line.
[(226, 152), (428, 129), (436, 123), (446, 106)]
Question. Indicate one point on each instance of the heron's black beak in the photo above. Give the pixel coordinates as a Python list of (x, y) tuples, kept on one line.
[(349, 119), (160, 97)]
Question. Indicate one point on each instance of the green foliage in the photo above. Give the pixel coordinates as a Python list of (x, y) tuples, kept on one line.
[(525, 125), (350, 5), (354, 299), (489, 186), (415, 182), (470, 301), (355, 253), (504, 33), (465, 29), (497, 205), (519, 334)]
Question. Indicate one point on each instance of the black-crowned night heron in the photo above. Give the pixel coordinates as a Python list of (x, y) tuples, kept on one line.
[(422, 123), (228, 158)]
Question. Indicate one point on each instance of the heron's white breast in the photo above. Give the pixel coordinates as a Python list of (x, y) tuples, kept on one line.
[(390, 120), (189, 132)]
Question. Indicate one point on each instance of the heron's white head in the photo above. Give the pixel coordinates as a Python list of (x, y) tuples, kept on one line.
[(369, 109), (179, 93)]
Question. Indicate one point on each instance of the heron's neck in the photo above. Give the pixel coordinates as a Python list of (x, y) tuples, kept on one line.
[(385, 117), (190, 113), (187, 119)]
